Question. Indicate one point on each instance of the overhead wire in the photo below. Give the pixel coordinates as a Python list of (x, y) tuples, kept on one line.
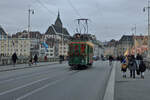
[(74, 8), (44, 6)]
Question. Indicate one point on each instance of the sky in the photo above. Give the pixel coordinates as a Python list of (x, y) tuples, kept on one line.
[(108, 19)]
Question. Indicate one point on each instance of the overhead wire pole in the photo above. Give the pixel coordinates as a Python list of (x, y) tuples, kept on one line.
[(78, 29), (148, 9), (85, 22)]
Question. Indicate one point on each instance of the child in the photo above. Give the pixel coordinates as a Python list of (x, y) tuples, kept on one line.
[(124, 67)]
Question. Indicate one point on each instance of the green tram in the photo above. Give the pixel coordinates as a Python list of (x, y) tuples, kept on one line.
[(80, 54)]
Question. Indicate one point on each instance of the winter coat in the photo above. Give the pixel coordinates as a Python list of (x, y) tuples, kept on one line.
[(132, 64), (142, 67), (35, 58), (14, 57), (139, 57)]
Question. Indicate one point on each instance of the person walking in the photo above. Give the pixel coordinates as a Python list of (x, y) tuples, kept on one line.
[(35, 59), (45, 58), (110, 60), (124, 63), (132, 65), (14, 58), (139, 58), (30, 60), (142, 68)]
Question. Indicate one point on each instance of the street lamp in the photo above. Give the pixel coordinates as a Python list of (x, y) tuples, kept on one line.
[(148, 9), (29, 11), (134, 39)]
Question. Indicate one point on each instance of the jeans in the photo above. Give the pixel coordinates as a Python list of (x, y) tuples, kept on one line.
[(132, 73)]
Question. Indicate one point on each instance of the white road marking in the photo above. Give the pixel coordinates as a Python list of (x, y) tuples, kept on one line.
[(39, 89), (21, 77), (109, 93), (26, 85), (23, 86)]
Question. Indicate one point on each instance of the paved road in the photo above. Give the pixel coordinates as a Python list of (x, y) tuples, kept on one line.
[(132, 89), (55, 82)]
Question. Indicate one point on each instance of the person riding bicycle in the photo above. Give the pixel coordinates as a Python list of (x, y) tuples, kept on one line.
[(110, 60)]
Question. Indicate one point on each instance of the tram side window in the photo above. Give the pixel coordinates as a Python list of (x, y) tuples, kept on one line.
[(71, 48), (82, 48)]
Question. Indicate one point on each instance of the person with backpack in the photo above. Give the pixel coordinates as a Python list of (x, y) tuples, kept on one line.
[(142, 68)]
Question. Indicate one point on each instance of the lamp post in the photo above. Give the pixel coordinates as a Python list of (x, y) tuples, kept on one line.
[(148, 9), (134, 40), (29, 13)]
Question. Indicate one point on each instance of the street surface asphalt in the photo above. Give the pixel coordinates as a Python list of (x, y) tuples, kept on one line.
[(55, 82), (131, 89)]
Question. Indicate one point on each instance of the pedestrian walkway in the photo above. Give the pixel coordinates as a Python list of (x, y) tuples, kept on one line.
[(22, 66), (131, 89)]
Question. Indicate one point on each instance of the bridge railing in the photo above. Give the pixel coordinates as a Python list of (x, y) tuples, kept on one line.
[(24, 60)]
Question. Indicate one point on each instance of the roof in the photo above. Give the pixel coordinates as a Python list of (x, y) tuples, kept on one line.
[(2, 32), (53, 29), (57, 28), (126, 38)]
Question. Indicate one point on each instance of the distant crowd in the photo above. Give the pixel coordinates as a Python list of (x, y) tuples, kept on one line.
[(135, 65)]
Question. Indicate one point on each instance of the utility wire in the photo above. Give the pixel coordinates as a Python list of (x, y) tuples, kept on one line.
[(44, 6), (74, 8)]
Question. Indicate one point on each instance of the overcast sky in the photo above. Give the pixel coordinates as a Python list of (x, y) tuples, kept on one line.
[(109, 19)]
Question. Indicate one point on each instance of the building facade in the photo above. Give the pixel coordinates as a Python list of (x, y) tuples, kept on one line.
[(125, 43), (57, 38), (22, 46), (110, 48), (10, 45)]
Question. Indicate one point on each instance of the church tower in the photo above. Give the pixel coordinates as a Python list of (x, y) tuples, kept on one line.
[(58, 21)]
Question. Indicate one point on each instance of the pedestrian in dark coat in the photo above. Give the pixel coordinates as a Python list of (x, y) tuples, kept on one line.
[(132, 65), (35, 59), (30, 61), (142, 68), (139, 58), (14, 58)]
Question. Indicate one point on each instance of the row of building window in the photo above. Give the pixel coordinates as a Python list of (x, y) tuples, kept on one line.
[(10, 54)]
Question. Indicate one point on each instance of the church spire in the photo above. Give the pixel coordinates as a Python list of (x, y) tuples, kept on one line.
[(58, 14), (58, 21)]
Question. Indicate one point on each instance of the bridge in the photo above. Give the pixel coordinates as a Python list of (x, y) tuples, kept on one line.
[(54, 81)]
